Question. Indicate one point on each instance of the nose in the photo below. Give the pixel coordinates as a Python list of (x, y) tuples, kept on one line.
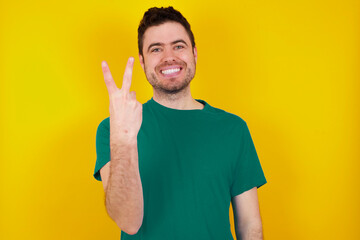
[(169, 55)]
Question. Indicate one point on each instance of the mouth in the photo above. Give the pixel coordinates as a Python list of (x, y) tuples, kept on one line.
[(171, 71)]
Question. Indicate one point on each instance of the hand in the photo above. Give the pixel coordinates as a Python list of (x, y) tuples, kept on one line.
[(125, 110)]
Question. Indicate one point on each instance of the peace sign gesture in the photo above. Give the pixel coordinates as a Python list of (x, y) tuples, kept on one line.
[(125, 110)]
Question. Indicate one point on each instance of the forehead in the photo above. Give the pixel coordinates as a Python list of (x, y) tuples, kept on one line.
[(165, 33)]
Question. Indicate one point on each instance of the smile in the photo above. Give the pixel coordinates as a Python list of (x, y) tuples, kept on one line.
[(170, 71)]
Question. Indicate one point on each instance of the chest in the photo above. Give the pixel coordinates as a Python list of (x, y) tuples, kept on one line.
[(186, 154)]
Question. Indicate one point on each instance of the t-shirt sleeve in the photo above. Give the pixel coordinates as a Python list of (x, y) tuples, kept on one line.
[(248, 172), (102, 147)]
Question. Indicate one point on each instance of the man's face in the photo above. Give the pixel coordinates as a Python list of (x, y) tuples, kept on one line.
[(168, 60)]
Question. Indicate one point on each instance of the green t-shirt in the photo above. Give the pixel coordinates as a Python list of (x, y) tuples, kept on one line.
[(191, 163)]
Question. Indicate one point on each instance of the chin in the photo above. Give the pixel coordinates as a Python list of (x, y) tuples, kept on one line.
[(168, 85)]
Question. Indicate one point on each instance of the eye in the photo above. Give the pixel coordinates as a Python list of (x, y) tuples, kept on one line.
[(179, 47), (155, 50)]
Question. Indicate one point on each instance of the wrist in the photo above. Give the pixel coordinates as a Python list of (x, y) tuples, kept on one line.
[(123, 139)]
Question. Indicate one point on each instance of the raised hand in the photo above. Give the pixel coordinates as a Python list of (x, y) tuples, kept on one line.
[(125, 110)]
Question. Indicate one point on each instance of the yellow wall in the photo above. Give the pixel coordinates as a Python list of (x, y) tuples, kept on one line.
[(289, 68)]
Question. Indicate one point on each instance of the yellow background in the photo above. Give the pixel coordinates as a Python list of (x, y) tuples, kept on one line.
[(290, 69)]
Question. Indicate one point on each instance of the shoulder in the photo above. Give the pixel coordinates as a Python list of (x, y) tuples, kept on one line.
[(104, 125), (226, 117)]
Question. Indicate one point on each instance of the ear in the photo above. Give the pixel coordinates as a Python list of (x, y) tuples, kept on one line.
[(141, 58), (195, 54)]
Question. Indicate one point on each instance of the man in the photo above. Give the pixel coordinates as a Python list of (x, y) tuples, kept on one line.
[(176, 162)]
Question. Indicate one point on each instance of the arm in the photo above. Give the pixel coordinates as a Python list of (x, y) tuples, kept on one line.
[(247, 218), (121, 177), (122, 186)]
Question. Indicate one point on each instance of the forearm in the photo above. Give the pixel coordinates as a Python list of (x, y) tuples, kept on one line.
[(249, 232), (124, 195)]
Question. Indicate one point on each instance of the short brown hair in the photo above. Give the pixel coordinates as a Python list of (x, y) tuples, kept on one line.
[(157, 16)]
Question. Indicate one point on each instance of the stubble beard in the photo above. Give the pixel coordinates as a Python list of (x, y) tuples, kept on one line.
[(170, 88)]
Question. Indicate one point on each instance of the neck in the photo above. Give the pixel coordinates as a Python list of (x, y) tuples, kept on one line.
[(181, 100)]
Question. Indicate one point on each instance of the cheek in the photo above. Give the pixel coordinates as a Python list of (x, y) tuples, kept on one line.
[(151, 63), (189, 57), (190, 61)]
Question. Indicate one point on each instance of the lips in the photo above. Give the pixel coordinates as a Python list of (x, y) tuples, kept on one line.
[(171, 70)]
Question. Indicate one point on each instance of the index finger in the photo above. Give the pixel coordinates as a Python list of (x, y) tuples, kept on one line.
[(128, 75), (109, 81)]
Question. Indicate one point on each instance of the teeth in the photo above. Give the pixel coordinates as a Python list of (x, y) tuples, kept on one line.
[(169, 71)]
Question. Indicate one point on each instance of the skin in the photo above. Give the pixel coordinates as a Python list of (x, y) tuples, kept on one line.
[(247, 219), (121, 178), (166, 46)]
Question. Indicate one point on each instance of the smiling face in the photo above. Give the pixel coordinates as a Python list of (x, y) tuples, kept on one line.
[(169, 60)]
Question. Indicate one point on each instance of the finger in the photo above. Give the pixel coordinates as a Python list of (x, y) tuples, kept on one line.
[(128, 75), (132, 95), (109, 81)]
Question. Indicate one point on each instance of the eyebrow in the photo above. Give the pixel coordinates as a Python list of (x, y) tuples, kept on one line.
[(162, 44)]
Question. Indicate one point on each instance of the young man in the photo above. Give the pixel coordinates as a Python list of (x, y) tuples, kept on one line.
[(176, 162)]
